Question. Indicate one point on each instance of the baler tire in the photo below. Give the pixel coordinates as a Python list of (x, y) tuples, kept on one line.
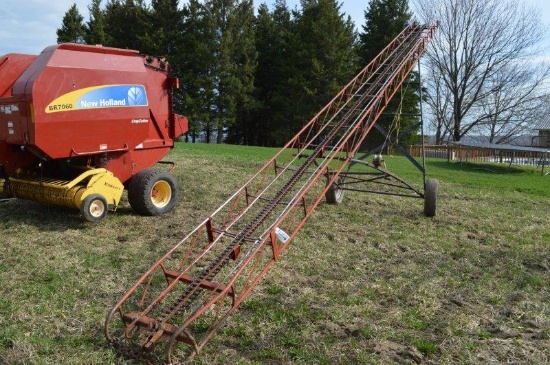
[(152, 192), (431, 193), (94, 208), (335, 194)]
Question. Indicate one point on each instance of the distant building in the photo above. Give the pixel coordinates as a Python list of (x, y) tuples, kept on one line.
[(543, 128)]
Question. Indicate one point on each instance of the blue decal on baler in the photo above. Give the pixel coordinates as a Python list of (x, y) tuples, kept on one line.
[(106, 96)]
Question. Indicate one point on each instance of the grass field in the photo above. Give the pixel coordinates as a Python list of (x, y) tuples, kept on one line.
[(369, 281)]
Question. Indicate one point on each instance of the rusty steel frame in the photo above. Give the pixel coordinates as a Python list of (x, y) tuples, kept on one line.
[(189, 293), (387, 183)]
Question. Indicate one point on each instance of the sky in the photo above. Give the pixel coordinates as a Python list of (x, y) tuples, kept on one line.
[(29, 26)]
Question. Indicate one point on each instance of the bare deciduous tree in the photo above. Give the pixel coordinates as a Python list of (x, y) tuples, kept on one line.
[(483, 74), (513, 104), (439, 99)]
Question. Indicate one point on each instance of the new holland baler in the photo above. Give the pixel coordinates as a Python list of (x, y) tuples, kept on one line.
[(79, 124)]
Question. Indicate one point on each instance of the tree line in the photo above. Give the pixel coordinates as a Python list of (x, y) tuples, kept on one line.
[(246, 76), (255, 77)]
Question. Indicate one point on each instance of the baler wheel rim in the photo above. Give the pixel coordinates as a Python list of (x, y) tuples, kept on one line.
[(161, 193), (152, 192), (94, 208)]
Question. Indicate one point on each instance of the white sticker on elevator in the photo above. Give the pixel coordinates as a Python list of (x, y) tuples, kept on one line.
[(281, 235)]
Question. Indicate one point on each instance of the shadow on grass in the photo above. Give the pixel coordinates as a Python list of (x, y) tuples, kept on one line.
[(481, 168), (47, 217)]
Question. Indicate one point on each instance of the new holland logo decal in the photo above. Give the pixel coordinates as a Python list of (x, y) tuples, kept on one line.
[(106, 96)]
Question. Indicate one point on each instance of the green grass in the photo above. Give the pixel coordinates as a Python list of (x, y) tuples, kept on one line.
[(369, 281), (492, 176)]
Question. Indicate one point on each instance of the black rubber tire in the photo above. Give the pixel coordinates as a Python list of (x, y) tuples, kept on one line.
[(143, 192), (431, 191), (94, 208), (334, 194)]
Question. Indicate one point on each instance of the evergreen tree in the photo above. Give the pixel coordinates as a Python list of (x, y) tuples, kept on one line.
[(276, 76), (246, 129), (274, 32), (385, 19), (245, 56), (128, 24), (235, 57), (166, 28), (72, 27), (196, 68), (257, 126), (323, 59), (166, 38), (95, 32)]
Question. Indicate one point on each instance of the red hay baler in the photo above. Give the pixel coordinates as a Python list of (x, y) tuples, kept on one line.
[(79, 124)]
